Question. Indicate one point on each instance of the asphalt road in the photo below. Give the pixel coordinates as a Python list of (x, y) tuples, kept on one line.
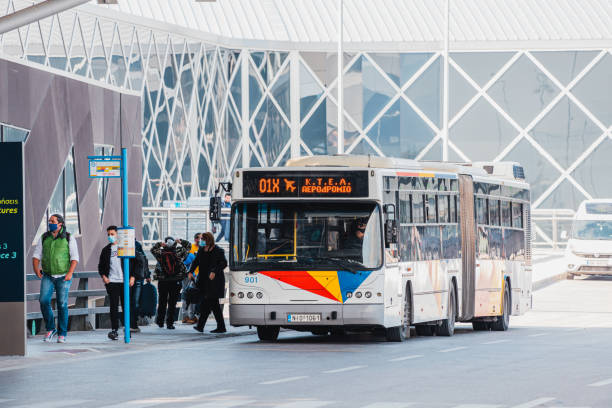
[(558, 355)]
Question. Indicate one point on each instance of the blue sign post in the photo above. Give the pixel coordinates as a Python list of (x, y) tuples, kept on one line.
[(116, 167)]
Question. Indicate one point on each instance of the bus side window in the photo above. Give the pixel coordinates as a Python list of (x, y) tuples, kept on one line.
[(495, 243), (481, 211), (494, 212), (431, 243), (482, 244), (450, 242), (443, 209), (431, 209), (506, 215), (517, 215), (404, 208), (452, 214), (418, 212)]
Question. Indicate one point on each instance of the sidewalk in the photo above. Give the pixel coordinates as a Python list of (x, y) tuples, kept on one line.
[(96, 344)]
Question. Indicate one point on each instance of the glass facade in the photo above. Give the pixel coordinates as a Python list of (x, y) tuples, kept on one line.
[(207, 109)]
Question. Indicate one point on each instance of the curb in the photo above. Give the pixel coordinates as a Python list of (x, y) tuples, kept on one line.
[(542, 283)]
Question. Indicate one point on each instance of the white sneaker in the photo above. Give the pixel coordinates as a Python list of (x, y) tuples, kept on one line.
[(50, 335), (61, 339)]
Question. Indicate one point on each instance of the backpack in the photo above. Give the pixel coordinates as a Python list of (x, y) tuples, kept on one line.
[(170, 262), (141, 265), (148, 300)]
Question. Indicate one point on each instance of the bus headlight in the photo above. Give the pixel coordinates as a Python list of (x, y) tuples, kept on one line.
[(259, 295), (240, 295), (358, 295), (250, 295), (368, 295), (349, 295)]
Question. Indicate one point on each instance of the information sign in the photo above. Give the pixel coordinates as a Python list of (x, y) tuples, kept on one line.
[(306, 184), (12, 266), (126, 242), (100, 168)]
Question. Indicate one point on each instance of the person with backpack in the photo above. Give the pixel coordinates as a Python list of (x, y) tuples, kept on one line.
[(211, 282), (60, 256), (169, 272)]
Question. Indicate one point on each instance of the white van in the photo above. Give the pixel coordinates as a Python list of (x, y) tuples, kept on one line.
[(589, 246)]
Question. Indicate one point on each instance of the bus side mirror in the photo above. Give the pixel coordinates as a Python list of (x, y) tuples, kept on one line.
[(390, 232), (390, 224), (564, 235), (214, 210)]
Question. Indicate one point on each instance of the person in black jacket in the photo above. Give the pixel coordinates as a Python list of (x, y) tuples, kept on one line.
[(110, 268), (211, 282)]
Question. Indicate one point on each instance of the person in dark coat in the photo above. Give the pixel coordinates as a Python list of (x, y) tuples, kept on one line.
[(211, 282)]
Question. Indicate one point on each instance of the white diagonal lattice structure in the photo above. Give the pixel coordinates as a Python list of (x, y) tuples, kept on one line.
[(231, 84)]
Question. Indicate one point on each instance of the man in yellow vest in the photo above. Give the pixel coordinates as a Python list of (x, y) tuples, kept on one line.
[(59, 254)]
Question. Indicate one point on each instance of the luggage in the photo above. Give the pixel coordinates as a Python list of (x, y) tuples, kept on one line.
[(192, 294), (148, 300)]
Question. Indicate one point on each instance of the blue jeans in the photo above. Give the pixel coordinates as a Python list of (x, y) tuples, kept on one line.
[(135, 302), (61, 287), (225, 230)]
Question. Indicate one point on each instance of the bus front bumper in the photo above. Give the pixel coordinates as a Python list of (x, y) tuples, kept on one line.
[(330, 315), (579, 265)]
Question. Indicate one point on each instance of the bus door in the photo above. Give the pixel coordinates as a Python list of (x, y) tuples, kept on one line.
[(393, 281), (468, 247)]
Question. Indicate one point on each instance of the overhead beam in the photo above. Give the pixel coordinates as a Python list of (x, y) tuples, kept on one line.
[(35, 13)]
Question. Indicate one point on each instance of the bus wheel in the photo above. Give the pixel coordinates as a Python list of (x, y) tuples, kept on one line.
[(424, 329), (502, 322), (268, 333), (447, 328), (480, 326), (401, 333)]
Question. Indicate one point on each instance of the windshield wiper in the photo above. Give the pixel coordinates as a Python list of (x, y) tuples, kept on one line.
[(339, 262)]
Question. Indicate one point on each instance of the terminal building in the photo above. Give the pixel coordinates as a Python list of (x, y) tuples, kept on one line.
[(228, 84)]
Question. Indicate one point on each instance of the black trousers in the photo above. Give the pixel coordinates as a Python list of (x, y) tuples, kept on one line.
[(115, 297), (211, 305), (168, 295)]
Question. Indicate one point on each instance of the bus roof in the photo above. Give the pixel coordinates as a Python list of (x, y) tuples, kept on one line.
[(501, 170)]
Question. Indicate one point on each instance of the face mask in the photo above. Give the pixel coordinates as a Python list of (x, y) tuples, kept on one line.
[(112, 239), (53, 227), (202, 243), (170, 242)]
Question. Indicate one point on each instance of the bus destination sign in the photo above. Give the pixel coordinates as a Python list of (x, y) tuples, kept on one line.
[(305, 184)]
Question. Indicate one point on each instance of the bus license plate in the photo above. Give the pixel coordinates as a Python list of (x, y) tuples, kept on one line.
[(304, 317), (597, 262)]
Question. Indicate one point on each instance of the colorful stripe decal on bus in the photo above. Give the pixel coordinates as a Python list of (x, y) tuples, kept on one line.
[(332, 285), (436, 175)]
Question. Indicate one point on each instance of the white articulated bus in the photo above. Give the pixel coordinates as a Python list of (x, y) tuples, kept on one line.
[(334, 243)]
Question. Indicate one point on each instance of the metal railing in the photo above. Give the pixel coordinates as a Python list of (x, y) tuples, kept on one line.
[(182, 223), (159, 222), (83, 306), (547, 225)]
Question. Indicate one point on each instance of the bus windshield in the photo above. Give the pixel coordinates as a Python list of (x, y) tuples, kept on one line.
[(601, 230), (341, 236)]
